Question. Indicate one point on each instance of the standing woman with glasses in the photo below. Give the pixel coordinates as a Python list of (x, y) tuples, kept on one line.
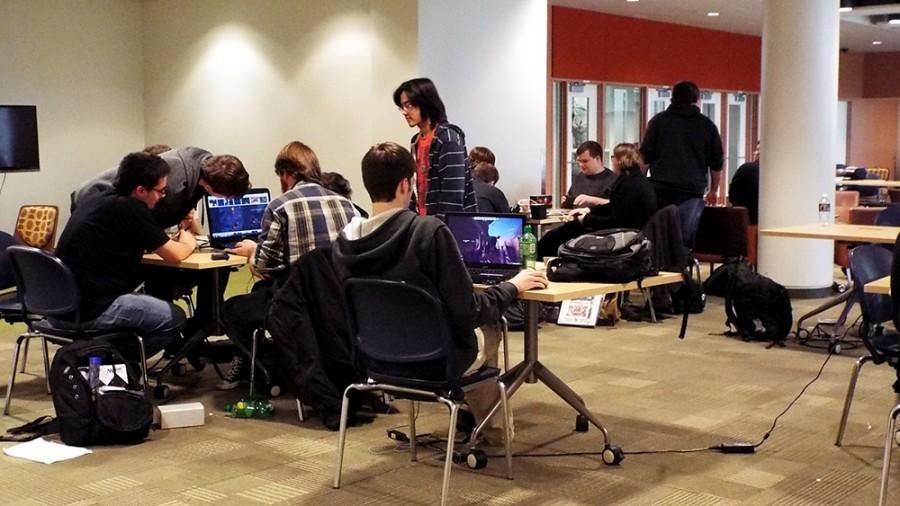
[(443, 175)]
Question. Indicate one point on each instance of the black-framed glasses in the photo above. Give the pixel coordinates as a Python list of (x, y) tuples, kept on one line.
[(161, 192), (406, 106)]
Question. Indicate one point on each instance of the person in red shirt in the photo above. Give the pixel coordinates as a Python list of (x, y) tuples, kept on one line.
[(443, 176)]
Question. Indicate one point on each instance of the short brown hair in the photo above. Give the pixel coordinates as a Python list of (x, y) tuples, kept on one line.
[(157, 149), (383, 167), (486, 172), (628, 156), (300, 161), (226, 175), (481, 154), (592, 147)]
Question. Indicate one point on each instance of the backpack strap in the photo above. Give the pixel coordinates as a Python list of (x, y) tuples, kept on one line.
[(686, 276)]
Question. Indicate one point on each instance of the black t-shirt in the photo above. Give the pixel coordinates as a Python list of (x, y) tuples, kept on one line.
[(596, 185), (103, 244)]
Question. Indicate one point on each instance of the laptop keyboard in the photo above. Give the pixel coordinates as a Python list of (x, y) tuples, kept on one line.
[(489, 276)]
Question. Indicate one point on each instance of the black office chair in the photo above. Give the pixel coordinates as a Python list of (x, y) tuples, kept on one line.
[(890, 217), (411, 358), (47, 288), (868, 263)]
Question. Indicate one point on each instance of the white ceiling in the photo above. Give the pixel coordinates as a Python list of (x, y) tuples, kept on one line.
[(745, 16)]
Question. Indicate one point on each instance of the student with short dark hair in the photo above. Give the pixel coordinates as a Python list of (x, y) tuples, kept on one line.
[(591, 186), (443, 176), (103, 244), (490, 198), (481, 154), (398, 244)]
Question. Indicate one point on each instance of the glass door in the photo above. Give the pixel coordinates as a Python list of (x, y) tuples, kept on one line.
[(736, 143), (621, 117), (581, 123), (657, 101)]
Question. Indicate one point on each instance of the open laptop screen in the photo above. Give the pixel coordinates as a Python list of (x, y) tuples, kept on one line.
[(234, 219), (488, 240)]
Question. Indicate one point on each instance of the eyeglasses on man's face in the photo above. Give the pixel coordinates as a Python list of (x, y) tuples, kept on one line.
[(160, 191), (406, 106)]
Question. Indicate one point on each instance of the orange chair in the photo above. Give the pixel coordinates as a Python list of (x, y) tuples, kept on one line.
[(36, 226), (843, 201), (882, 173)]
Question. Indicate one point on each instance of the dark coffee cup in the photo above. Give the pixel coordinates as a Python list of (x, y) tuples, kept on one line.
[(538, 211)]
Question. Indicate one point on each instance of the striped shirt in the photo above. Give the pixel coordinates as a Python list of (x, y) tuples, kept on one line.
[(306, 217), (450, 185)]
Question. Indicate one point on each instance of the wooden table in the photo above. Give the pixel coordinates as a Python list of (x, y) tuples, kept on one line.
[(881, 286), (877, 183), (837, 232), (199, 260), (554, 219), (532, 370)]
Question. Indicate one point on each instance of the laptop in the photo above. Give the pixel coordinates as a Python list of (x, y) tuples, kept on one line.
[(489, 244), (232, 220)]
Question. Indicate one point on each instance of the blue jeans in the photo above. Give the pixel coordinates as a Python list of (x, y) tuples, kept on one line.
[(158, 322)]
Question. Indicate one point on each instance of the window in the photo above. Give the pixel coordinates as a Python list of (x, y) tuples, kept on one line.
[(621, 117)]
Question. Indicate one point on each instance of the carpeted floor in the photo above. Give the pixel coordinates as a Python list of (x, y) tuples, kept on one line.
[(652, 390)]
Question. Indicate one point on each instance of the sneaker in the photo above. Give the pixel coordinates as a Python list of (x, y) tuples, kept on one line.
[(235, 375)]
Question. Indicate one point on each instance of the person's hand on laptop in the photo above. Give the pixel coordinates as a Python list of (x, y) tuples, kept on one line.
[(529, 279), (245, 248)]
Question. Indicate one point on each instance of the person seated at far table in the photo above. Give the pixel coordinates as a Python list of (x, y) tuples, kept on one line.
[(631, 203), (103, 244), (490, 198), (744, 188), (591, 186), (632, 200), (337, 183), (397, 244)]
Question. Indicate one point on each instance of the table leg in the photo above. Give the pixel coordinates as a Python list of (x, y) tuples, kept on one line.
[(532, 308), (513, 379), (568, 395)]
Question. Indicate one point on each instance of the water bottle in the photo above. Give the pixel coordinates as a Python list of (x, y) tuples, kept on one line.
[(250, 408), (528, 245), (824, 210), (94, 374)]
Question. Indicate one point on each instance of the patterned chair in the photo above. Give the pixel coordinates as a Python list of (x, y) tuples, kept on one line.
[(36, 226)]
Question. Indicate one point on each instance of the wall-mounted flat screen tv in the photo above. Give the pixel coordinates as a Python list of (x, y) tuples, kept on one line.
[(18, 138)]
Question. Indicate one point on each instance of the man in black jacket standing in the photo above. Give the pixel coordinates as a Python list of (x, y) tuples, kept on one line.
[(397, 244), (681, 146)]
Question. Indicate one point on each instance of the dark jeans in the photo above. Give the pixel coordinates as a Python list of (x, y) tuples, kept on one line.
[(242, 315), (690, 207), (170, 284)]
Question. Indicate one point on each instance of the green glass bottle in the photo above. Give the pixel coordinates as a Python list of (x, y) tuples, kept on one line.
[(528, 247)]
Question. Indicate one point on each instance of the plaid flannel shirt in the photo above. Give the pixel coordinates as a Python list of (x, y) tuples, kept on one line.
[(306, 217)]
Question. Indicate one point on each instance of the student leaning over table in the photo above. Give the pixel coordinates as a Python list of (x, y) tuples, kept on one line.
[(103, 244), (397, 244)]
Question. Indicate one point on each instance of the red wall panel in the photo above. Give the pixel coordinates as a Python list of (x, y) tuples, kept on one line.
[(593, 46)]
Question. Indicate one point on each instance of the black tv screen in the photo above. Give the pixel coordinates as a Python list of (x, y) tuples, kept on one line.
[(18, 138)]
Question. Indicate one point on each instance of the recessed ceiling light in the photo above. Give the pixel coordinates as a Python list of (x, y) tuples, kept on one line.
[(845, 9), (877, 43), (631, 1), (894, 21), (712, 14)]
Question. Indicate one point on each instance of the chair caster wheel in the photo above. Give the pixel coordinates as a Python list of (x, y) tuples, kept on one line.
[(836, 348), (897, 437), (274, 391), (803, 334), (581, 423), (612, 455), (161, 392), (476, 459), (179, 369)]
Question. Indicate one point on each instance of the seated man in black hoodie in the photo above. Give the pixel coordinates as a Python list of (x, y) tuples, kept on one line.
[(397, 244)]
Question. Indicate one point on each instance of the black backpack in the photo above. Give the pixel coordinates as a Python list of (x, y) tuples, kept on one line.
[(120, 414), (690, 297), (757, 308), (617, 255)]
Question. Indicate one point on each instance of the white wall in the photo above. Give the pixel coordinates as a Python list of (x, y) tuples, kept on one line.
[(80, 64), (248, 77), (489, 63)]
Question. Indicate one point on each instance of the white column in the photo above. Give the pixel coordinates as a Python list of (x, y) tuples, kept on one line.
[(798, 130), (489, 62)]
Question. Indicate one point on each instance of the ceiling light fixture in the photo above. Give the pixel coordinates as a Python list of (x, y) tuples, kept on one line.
[(631, 1), (712, 14), (845, 9), (894, 21), (877, 43)]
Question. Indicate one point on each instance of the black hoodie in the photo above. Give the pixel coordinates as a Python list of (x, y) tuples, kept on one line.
[(421, 250), (682, 145)]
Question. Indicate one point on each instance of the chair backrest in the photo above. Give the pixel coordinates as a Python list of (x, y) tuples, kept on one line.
[(397, 326), (895, 283), (890, 217), (723, 231), (843, 202), (864, 215), (46, 287), (869, 262), (36, 225), (879, 173)]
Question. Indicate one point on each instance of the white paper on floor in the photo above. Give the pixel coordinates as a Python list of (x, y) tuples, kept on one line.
[(48, 452)]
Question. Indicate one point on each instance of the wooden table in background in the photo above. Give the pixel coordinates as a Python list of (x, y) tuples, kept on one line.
[(878, 183), (881, 286), (837, 232)]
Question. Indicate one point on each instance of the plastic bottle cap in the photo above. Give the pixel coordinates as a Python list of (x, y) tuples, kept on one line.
[(94, 360)]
